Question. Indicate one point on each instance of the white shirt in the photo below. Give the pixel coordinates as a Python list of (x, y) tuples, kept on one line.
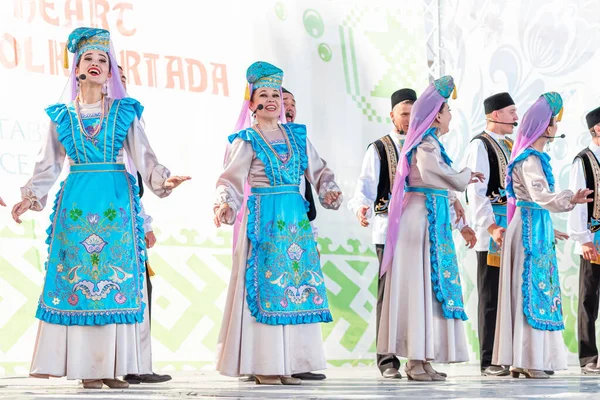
[(366, 191), (577, 221), (482, 214), (366, 188)]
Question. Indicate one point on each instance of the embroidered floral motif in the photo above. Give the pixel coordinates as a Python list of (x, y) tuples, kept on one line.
[(446, 284), (294, 251), (93, 243), (291, 289), (93, 219), (120, 298), (75, 213), (541, 285), (91, 133), (99, 274), (73, 299), (111, 214)]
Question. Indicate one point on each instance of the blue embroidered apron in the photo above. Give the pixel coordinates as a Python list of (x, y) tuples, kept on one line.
[(494, 250), (445, 276), (284, 281), (95, 266), (542, 303)]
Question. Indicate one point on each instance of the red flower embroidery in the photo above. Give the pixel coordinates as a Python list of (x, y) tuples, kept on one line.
[(73, 299)]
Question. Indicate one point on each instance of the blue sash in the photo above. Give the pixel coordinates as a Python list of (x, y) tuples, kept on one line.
[(542, 303), (445, 276), (284, 281), (493, 258)]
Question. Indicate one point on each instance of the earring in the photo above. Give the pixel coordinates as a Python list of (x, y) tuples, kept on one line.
[(547, 146)]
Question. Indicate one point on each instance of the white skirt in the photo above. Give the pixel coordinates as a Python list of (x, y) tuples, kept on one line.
[(412, 323), (92, 352)]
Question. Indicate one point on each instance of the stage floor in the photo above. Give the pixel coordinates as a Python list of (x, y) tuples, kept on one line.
[(342, 383)]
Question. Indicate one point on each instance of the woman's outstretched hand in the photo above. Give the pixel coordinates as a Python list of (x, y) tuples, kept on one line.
[(174, 181), (19, 209), (581, 195), (222, 213), (476, 177)]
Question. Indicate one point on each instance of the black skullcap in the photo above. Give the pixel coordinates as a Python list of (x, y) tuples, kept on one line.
[(593, 118), (402, 95), (284, 90), (497, 102)]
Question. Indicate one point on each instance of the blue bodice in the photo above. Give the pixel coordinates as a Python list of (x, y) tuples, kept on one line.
[(81, 145), (285, 162)]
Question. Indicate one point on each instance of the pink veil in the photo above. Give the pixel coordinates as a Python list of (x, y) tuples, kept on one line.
[(533, 125), (422, 117)]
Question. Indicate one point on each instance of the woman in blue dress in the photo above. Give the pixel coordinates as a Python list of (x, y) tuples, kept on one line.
[(529, 323), (277, 295), (91, 305)]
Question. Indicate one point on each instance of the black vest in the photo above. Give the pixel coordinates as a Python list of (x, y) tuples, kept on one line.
[(308, 195), (388, 157), (498, 163), (591, 169), (140, 182)]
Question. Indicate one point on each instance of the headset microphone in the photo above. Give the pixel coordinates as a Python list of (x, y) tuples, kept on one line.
[(555, 137), (504, 123)]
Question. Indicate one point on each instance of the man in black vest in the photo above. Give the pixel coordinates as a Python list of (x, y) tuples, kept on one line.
[(583, 227), (289, 104), (373, 192), (150, 242), (489, 153)]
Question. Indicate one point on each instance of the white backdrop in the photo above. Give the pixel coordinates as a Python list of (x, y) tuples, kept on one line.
[(186, 63)]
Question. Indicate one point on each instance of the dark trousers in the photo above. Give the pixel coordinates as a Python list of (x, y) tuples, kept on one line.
[(587, 311), (488, 278), (384, 361), (149, 287)]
